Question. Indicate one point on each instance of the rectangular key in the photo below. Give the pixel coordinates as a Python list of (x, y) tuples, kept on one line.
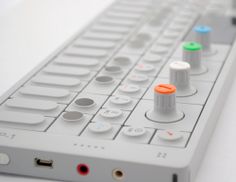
[(90, 63), (123, 15), (97, 44), (82, 73), (87, 52), (111, 29), (45, 108), (21, 118), (72, 84), (103, 36), (25, 121), (54, 94), (120, 22)]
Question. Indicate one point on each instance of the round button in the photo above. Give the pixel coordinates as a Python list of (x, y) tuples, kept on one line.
[(104, 80), (110, 113), (137, 44), (73, 116), (85, 102), (100, 127), (123, 61), (129, 88), (169, 135), (153, 58), (143, 37), (144, 68), (134, 131), (138, 78), (159, 49), (165, 41), (165, 89), (113, 69), (120, 100)]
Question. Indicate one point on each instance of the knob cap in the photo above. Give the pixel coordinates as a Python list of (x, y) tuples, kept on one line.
[(180, 78), (192, 54), (203, 36), (164, 108)]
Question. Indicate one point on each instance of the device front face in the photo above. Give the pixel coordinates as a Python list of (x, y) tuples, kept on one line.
[(130, 98)]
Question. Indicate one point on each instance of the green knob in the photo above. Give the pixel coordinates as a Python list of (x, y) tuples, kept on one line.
[(192, 46)]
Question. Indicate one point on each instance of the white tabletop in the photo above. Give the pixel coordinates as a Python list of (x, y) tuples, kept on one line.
[(31, 29)]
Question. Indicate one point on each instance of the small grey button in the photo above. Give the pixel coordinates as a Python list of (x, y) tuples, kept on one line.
[(122, 61), (113, 69), (137, 44), (85, 102), (73, 116), (104, 80), (143, 37)]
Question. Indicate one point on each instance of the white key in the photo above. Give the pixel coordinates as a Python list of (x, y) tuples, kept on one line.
[(129, 88), (86, 52), (111, 113), (94, 44), (158, 49), (107, 28), (75, 61), (153, 58), (138, 78), (169, 135), (113, 14), (121, 22), (44, 92), (144, 67), (103, 36), (56, 81), (134, 131), (120, 100), (21, 118), (69, 71), (31, 104), (100, 127)]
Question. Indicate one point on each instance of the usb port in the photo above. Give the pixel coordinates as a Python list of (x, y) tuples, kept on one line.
[(43, 163)]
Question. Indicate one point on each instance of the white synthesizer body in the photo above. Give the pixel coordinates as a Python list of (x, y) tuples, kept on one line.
[(133, 97)]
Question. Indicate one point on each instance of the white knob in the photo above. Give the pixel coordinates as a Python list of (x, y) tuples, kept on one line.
[(164, 106), (180, 78), (203, 36), (192, 54)]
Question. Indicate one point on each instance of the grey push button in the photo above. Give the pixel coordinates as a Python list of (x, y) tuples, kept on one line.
[(104, 80), (85, 102), (73, 116), (4, 159)]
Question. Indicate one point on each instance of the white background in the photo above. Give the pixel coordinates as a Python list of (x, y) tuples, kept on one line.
[(31, 29)]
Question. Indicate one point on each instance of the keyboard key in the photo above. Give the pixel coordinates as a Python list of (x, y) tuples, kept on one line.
[(121, 102), (74, 127), (31, 104), (87, 103), (68, 71), (71, 84), (101, 130), (111, 115), (72, 116), (135, 134), (21, 118), (170, 138), (98, 44), (86, 52)]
